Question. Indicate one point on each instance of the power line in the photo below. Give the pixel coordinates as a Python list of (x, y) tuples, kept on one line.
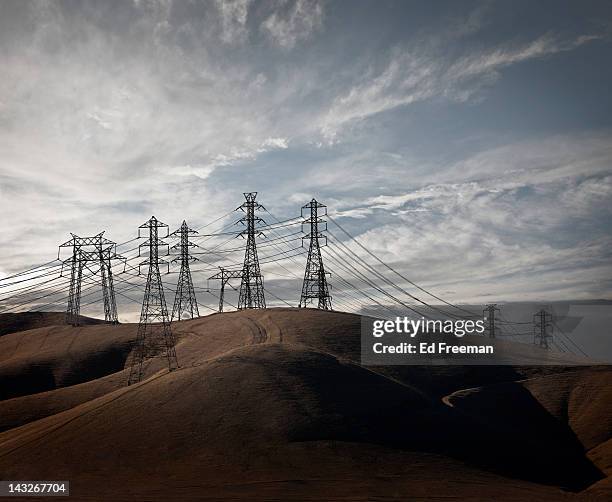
[(396, 272), (567, 337), (349, 254)]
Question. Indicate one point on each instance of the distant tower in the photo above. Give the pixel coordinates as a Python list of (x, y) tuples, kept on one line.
[(490, 310), (154, 331), (315, 279), (251, 288), (542, 328), (185, 303), (96, 249), (225, 275)]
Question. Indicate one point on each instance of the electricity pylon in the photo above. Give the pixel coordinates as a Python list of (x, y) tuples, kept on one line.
[(74, 293), (315, 278), (251, 294), (542, 321), (490, 310), (225, 275), (154, 332), (108, 287), (185, 303), (95, 249)]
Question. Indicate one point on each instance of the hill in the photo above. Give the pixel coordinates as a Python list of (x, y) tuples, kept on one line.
[(12, 323), (274, 405)]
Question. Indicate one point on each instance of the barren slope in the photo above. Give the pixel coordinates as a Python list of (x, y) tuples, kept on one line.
[(274, 405)]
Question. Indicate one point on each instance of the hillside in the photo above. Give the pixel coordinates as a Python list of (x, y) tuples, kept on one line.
[(273, 405), (11, 323)]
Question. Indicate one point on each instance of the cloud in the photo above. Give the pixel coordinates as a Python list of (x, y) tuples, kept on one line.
[(534, 161), (416, 74), (358, 212), (523, 213), (111, 114), (274, 143), (489, 62), (202, 172), (233, 15), (477, 262), (293, 22)]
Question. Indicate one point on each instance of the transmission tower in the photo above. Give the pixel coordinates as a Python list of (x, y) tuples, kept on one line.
[(251, 287), (489, 313), (85, 250), (108, 287), (315, 279), (74, 293), (154, 332), (225, 275), (185, 303), (542, 328)]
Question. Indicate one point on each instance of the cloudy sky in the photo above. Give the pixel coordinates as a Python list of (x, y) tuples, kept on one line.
[(467, 143)]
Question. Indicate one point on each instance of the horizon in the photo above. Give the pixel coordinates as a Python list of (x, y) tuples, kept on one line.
[(586, 329)]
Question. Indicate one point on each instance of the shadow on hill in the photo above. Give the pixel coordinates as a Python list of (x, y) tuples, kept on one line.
[(514, 437), (522, 438), (310, 397), (441, 381), (26, 379), (96, 365), (38, 378)]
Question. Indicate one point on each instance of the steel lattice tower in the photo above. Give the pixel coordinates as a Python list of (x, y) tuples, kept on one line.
[(251, 287), (73, 310), (108, 287), (490, 314), (185, 303), (542, 321), (225, 275), (315, 279), (154, 331), (96, 249)]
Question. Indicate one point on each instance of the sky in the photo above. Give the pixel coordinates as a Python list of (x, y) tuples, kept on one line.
[(468, 144)]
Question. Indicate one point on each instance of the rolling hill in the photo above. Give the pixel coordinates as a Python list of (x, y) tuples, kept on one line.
[(274, 405)]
